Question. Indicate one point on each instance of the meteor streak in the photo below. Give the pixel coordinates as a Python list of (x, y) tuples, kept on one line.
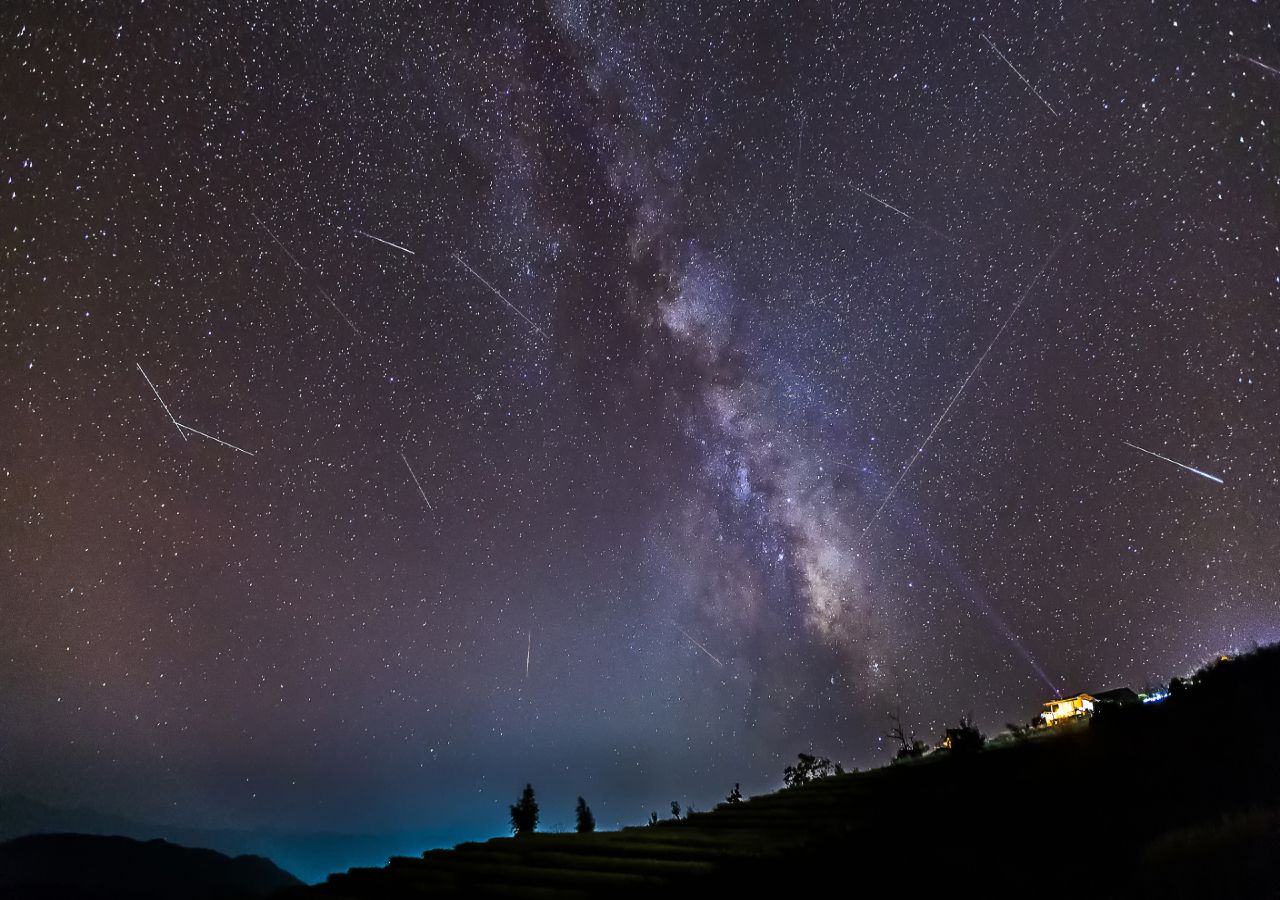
[(176, 423), (462, 262), (1272, 69), (909, 218), (212, 438), (1019, 74), (959, 391), (1176, 463), (305, 274), (374, 237), (700, 647), (417, 482), (183, 429), (528, 654)]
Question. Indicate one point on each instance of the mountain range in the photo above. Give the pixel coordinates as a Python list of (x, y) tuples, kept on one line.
[(96, 867), (309, 855)]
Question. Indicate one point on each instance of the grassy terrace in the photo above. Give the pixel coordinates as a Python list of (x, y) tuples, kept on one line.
[(1178, 799)]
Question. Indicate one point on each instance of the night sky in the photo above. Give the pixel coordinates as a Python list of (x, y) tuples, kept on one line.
[(532, 381)]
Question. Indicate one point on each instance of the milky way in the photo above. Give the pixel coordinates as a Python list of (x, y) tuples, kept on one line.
[(578, 347)]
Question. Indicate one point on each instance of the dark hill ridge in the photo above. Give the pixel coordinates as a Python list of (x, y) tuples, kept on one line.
[(94, 867), (309, 855), (1176, 799)]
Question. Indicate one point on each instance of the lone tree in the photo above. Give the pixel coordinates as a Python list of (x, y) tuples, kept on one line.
[(735, 795), (524, 813), (586, 821), (908, 747), (675, 809)]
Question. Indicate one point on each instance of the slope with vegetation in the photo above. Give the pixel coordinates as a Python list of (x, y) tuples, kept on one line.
[(1176, 799)]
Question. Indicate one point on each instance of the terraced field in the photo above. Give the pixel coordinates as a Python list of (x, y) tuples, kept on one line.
[(667, 858), (550, 865)]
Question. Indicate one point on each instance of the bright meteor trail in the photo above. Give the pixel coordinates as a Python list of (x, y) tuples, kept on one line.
[(176, 423), (374, 237), (700, 647), (1176, 463), (910, 218), (960, 390), (1260, 64), (183, 429), (1020, 75), (414, 475), (515, 309), (215, 439)]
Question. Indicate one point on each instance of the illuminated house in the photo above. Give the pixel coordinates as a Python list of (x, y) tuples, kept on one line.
[(1067, 708), (1058, 711)]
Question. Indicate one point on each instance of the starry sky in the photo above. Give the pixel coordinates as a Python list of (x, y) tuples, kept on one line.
[(402, 403)]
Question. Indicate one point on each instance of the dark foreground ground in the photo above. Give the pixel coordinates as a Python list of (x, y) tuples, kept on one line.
[(1176, 799)]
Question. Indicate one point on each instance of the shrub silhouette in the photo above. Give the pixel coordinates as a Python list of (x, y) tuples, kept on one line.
[(586, 821), (735, 795), (675, 809), (808, 768), (524, 813), (965, 737), (914, 750)]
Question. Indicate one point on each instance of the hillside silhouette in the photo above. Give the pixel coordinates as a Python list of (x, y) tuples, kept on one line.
[(308, 855), (94, 867), (1179, 798)]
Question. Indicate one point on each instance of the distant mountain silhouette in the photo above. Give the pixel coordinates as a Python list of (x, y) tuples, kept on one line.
[(94, 867), (20, 815), (309, 855)]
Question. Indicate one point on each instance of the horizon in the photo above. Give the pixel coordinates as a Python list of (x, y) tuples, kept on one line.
[(489, 826), (340, 852)]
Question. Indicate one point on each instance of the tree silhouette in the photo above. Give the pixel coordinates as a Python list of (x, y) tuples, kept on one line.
[(675, 809), (586, 821), (653, 818), (909, 746), (524, 813), (735, 795)]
